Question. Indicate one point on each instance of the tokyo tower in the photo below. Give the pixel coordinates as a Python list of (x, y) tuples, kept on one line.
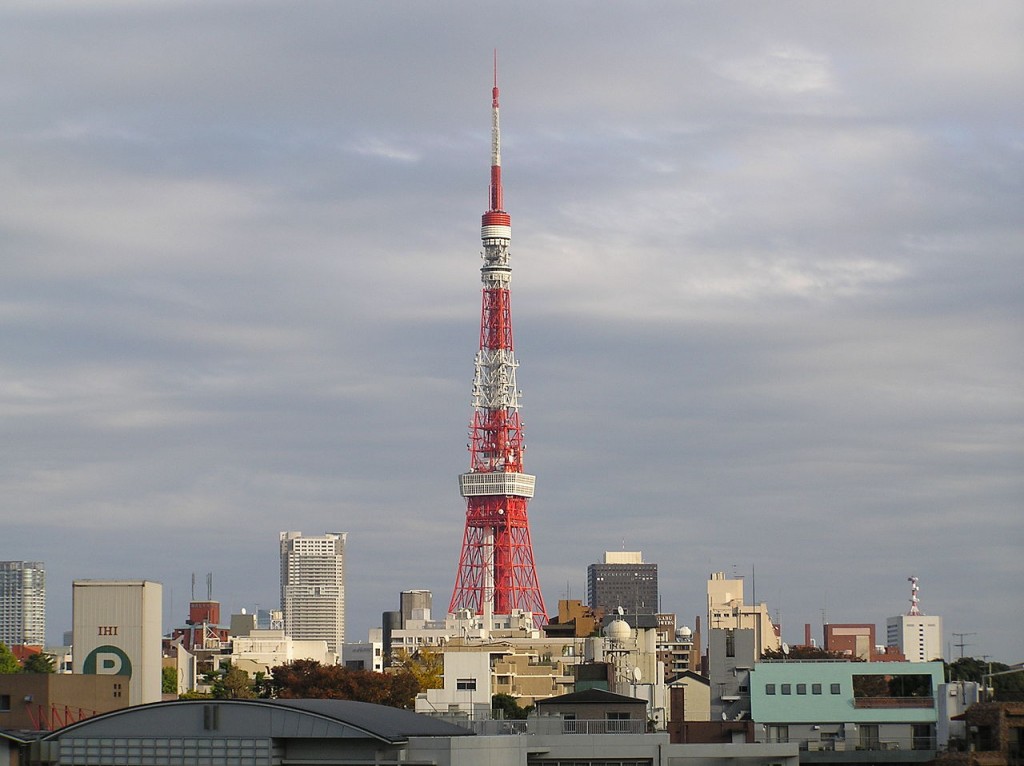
[(496, 570)]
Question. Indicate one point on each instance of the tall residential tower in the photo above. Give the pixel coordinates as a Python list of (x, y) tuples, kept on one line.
[(22, 603), (496, 572), (313, 587)]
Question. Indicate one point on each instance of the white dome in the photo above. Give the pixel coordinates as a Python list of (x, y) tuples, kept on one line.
[(618, 630), (683, 632)]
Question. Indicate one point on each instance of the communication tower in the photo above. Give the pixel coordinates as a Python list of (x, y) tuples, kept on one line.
[(496, 572)]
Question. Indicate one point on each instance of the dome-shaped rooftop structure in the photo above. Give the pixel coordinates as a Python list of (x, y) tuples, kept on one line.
[(618, 630), (683, 632)]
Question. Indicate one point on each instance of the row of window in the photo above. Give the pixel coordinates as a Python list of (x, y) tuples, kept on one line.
[(800, 688)]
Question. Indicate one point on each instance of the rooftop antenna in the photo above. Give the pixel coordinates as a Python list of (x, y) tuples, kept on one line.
[(193, 586), (914, 600), (209, 586)]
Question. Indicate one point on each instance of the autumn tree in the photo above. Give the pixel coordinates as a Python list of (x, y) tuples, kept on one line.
[(426, 665), (308, 679)]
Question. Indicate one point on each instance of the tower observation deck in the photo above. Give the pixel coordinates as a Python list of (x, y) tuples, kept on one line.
[(496, 572)]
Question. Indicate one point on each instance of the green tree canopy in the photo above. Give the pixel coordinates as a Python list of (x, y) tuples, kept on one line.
[(8, 662), (509, 707), (233, 684), (39, 663), (168, 680)]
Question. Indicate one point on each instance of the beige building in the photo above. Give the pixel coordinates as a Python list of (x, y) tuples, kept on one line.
[(262, 650), (727, 609), (117, 631)]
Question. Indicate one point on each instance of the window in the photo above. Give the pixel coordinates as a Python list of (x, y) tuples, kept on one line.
[(801, 688), (769, 688), (5, 701), (834, 689), (787, 689), (815, 688), (466, 684), (730, 642)]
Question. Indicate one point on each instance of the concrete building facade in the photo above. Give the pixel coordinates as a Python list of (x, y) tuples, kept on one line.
[(727, 609), (117, 631), (22, 603), (46, 701), (918, 636), (313, 587)]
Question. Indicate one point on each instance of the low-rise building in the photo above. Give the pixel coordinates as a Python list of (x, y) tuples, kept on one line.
[(46, 701), (849, 706)]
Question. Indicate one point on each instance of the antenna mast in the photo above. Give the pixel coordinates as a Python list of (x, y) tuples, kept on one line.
[(914, 600)]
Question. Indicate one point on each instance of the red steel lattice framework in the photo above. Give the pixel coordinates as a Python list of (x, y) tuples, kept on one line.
[(496, 572)]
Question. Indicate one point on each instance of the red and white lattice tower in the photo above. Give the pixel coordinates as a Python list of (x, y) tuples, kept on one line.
[(496, 569)]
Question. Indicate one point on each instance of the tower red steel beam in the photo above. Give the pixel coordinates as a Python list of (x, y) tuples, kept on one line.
[(496, 572)]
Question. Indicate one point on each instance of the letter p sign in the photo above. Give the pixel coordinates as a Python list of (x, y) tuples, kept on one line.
[(107, 661)]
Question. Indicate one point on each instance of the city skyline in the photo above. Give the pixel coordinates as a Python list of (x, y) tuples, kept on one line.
[(767, 296)]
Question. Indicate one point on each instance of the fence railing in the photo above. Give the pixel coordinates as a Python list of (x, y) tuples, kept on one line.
[(603, 726), (868, 744)]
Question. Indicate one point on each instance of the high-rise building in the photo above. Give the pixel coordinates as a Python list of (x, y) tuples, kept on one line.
[(496, 572), (623, 580), (917, 635), (118, 632), (22, 603), (313, 587)]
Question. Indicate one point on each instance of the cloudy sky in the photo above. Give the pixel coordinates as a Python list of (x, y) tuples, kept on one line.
[(767, 288)]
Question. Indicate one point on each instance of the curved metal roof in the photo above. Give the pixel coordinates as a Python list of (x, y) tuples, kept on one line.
[(296, 719)]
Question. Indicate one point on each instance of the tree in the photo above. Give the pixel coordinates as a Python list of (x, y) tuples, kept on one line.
[(38, 663), (308, 679), (169, 680), (1008, 687), (802, 653), (233, 684), (509, 707), (8, 662), (426, 665)]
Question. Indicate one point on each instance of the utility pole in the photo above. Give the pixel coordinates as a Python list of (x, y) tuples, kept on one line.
[(962, 644)]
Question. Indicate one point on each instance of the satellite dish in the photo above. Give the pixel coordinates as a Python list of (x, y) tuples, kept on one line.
[(785, 648), (619, 611), (637, 675)]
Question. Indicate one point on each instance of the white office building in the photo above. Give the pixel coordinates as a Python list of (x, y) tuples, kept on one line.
[(918, 636), (22, 603), (313, 587)]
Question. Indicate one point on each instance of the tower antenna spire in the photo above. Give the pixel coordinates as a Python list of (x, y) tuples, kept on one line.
[(497, 202), (496, 572)]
